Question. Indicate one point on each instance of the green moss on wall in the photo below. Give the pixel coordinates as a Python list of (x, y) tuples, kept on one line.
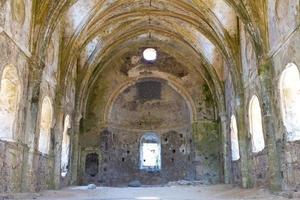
[(207, 143)]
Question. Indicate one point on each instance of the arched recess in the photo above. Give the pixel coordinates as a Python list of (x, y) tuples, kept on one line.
[(45, 125), (159, 77), (235, 149), (92, 164), (290, 101), (9, 101), (150, 152), (213, 81), (255, 123), (65, 148)]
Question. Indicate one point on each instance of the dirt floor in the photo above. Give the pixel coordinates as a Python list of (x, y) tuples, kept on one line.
[(156, 193)]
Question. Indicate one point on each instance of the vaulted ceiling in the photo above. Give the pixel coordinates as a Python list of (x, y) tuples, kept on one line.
[(201, 34)]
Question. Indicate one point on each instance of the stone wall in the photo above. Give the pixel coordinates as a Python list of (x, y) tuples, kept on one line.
[(288, 53), (207, 143), (13, 159), (44, 172), (255, 168), (151, 104), (11, 162), (23, 168), (283, 22), (113, 95), (236, 178), (119, 158)]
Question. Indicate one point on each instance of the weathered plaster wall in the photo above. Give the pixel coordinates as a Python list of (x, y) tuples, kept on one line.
[(283, 19), (68, 109), (257, 162), (230, 108), (251, 81), (11, 164), (119, 158), (14, 51), (130, 67), (149, 105), (110, 124), (23, 168), (15, 20), (148, 101), (207, 143), (288, 53), (12, 55), (283, 22), (44, 164)]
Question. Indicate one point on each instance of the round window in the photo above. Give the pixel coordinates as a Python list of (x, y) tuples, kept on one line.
[(150, 54)]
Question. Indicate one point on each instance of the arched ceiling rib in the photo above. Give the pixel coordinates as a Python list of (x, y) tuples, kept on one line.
[(104, 21), (201, 7), (202, 13), (201, 25), (207, 74)]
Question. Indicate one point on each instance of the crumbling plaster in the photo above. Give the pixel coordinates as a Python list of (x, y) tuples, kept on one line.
[(78, 53)]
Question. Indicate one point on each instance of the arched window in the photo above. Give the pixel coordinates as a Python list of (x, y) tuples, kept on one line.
[(255, 121), (45, 126), (235, 150), (150, 152), (65, 148), (9, 101), (290, 101)]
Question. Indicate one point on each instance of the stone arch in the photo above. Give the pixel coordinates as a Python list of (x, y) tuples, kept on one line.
[(235, 149), (289, 87), (45, 125), (129, 100), (65, 148), (9, 101), (255, 123), (160, 77)]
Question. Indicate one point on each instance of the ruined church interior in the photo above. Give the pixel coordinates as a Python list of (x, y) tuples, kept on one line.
[(149, 99)]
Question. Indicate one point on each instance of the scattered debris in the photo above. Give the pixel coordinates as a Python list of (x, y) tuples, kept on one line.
[(92, 186), (135, 184), (185, 182)]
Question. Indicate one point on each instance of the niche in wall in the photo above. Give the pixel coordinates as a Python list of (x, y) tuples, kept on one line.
[(92, 164), (9, 101), (65, 149), (255, 121), (235, 150), (45, 126), (290, 101)]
